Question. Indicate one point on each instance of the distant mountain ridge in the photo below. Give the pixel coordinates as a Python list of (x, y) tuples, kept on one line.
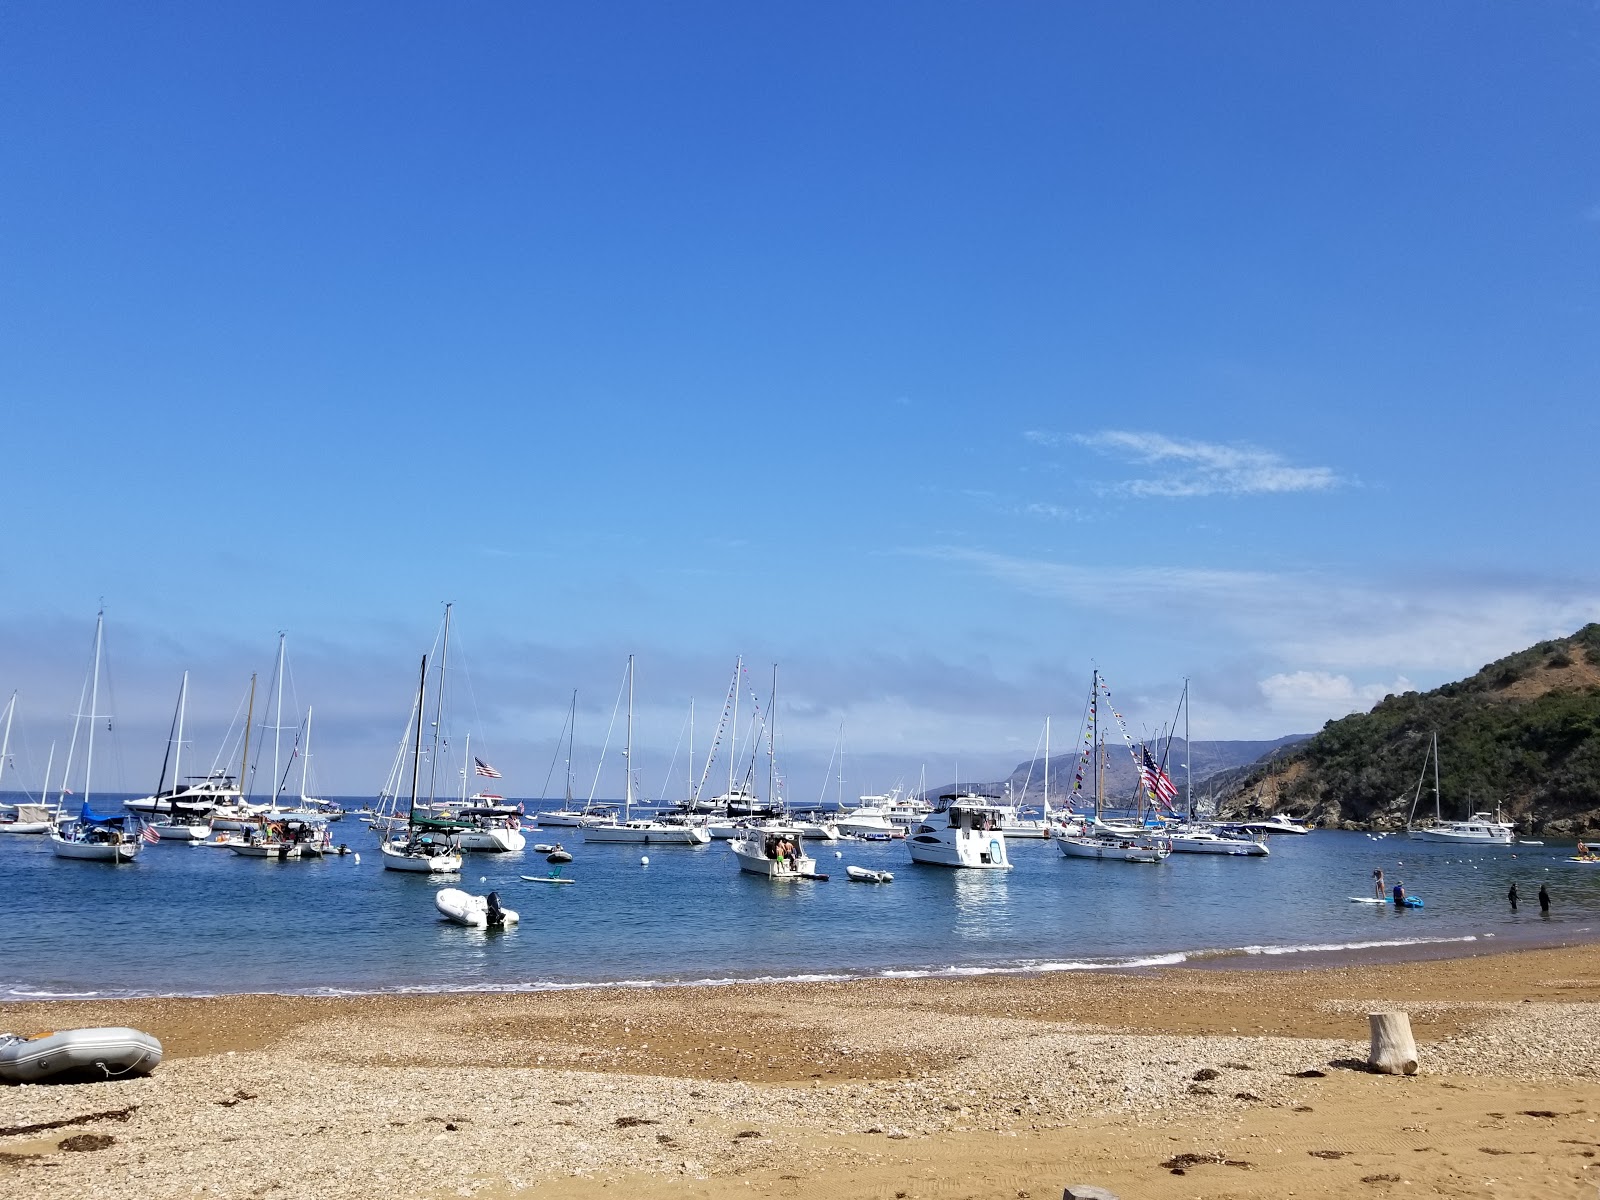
[(1210, 759)]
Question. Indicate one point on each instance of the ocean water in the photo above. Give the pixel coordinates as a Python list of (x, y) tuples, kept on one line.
[(182, 920)]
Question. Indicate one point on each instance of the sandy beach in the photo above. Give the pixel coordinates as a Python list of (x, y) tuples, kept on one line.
[(1157, 1083)]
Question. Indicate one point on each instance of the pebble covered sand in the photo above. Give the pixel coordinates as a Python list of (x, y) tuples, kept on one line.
[(489, 1094)]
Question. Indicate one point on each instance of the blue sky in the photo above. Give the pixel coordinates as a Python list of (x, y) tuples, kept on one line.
[(933, 351)]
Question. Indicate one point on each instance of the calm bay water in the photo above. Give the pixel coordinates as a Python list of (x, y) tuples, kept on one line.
[(185, 920)]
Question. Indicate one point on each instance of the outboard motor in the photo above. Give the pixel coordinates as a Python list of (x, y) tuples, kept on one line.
[(496, 917)]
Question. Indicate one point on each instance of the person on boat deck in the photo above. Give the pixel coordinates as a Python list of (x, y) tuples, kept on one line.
[(1399, 893), (1377, 883)]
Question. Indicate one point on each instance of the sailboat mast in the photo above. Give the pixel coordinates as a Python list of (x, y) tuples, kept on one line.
[(572, 720), (50, 762), (772, 743), (627, 752), (277, 729), (5, 743), (438, 706), (416, 753), (688, 778), (1047, 773), (733, 730), (1188, 771), (249, 715), (1436, 776), (305, 757), (94, 703), (1094, 718), (177, 752), (466, 757)]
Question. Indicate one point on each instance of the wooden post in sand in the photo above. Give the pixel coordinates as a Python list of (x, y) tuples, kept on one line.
[(1393, 1052)]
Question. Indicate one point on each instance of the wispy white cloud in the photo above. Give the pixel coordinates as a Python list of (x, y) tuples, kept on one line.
[(1312, 697), (1321, 644), (1195, 468)]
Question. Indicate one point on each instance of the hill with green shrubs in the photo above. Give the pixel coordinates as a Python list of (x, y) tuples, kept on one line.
[(1522, 735)]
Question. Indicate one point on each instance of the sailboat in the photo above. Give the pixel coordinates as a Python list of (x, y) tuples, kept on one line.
[(423, 850), (93, 835), (639, 830), (1122, 844), (1480, 829), (186, 823), (568, 816), (24, 818)]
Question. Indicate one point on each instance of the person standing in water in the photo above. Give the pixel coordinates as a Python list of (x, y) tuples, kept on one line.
[(1512, 896), (1544, 900), (1377, 883), (1400, 894)]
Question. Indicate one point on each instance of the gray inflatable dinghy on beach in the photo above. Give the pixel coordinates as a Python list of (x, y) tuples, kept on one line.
[(108, 1052)]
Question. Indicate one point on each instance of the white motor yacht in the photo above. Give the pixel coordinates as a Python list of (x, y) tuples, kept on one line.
[(775, 850), (967, 833), (1188, 839), (1276, 823)]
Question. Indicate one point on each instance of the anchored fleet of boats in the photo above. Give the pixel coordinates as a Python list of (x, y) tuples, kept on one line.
[(426, 833)]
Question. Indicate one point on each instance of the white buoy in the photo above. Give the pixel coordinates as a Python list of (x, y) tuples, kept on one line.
[(358, 856), (644, 860), (483, 879), (838, 853)]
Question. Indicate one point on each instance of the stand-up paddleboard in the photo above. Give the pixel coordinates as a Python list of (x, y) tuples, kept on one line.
[(1408, 902), (547, 879), (1367, 900)]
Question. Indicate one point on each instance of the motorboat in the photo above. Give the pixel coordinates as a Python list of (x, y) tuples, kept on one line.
[(492, 827), (775, 850), (181, 828), (476, 912), (90, 1055), (1276, 823), (1189, 839), (966, 833), (646, 832)]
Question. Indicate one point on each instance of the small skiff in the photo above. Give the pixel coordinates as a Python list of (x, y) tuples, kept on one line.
[(862, 875), (558, 855), (477, 912), (92, 1054)]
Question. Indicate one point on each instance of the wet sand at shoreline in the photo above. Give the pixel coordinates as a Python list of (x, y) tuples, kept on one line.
[(990, 1086)]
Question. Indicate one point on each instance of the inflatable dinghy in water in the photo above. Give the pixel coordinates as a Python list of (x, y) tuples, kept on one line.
[(477, 912), (863, 875), (78, 1054)]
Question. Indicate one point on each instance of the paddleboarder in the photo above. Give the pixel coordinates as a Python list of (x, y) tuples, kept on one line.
[(1377, 883)]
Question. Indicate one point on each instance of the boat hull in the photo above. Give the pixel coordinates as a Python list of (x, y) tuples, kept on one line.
[(111, 852), (1116, 851), (1492, 837), (648, 833), (504, 840), (752, 861), (419, 864), (281, 851)]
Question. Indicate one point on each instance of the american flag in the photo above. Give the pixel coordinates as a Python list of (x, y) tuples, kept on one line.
[(149, 834), (483, 768), (1157, 780)]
